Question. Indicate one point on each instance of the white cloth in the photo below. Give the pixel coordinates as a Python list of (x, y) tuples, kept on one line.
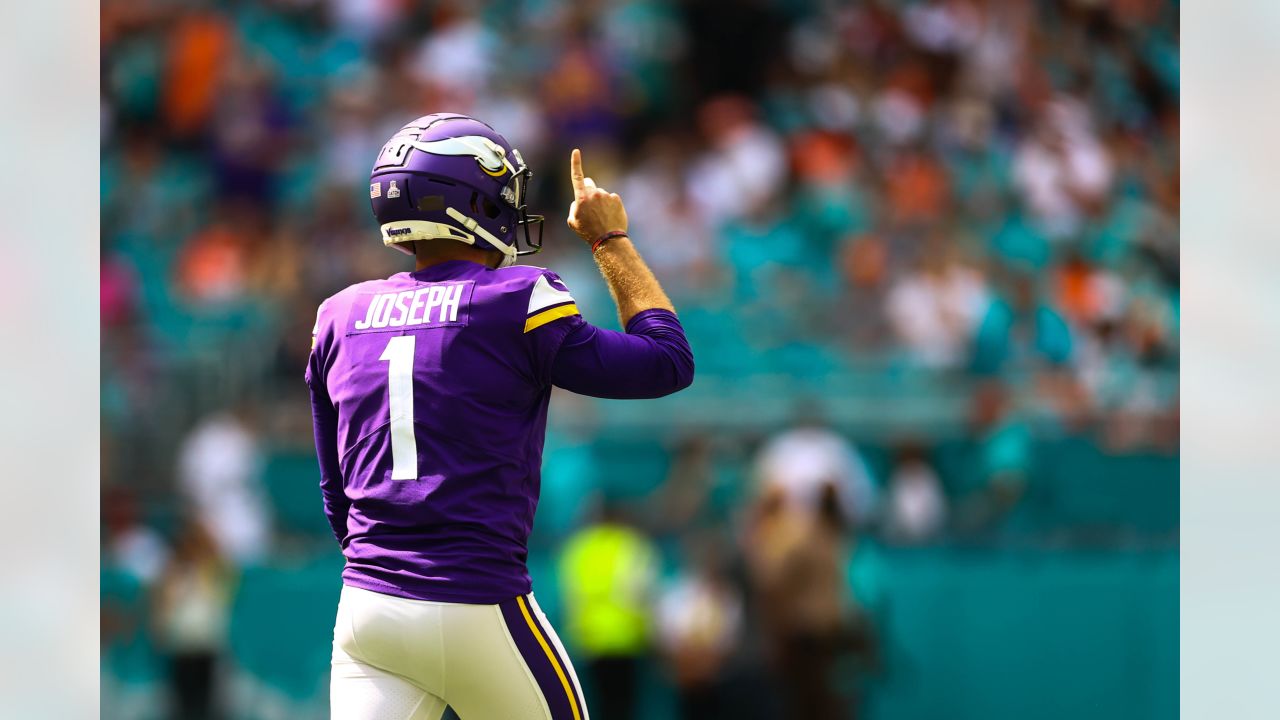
[(195, 612), (140, 551), (696, 613), (401, 659), (218, 470), (746, 171), (1053, 180), (936, 316), (798, 462), (916, 506)]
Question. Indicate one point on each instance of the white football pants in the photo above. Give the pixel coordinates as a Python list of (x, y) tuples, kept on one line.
[(401, 659)]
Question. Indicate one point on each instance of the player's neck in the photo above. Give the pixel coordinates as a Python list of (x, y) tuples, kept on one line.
[(430, 253)]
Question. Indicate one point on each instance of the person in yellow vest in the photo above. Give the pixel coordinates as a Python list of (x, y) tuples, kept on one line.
[(607, 575)]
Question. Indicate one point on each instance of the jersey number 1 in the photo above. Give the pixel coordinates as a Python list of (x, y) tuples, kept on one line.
[(404, 445)]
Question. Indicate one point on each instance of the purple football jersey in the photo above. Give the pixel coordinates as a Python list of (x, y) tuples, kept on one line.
[(435, 384)]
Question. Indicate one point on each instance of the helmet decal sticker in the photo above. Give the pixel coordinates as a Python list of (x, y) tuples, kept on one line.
[(375, 190), (393, 191), (490, 155)]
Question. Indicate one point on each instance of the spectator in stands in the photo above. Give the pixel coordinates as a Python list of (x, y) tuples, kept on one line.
[(935, 310), (1003, 460), (607, 575), (916, 508), (129, 544), (199, 45), (796, 561), (662, 209), (192, 602), (797, 465), (118, 287), (698, 622), (219, 468), (865, 269), (215, 265), (693, 497), (742, 167), (1020, 331), (1062, 169)]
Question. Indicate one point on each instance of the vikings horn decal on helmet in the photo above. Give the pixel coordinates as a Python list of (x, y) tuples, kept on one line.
[(456, 178)]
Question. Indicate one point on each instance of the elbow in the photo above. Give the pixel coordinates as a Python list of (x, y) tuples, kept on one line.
[(684, 375), (682, 371), (673, 373), (668, 338)]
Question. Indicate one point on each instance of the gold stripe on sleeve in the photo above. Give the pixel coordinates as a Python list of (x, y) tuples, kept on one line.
[(536, 321)]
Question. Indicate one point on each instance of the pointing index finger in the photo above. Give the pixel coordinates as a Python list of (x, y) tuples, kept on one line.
[(575, 173)]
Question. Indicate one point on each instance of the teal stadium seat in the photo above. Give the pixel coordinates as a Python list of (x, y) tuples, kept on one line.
[(281, 627), (292, 481)]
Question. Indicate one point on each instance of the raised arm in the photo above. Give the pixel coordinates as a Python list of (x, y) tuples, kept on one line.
[(597, 213), (652, 358)]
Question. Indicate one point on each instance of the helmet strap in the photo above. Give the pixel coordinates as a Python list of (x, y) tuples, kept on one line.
[(471, 224)]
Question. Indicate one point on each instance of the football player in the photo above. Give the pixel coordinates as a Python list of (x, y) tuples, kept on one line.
[(429, 392)]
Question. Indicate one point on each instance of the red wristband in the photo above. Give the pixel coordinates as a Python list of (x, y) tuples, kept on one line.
[(611, 234)]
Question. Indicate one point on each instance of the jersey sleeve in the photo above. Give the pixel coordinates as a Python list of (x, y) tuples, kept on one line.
[(651, 359), (551, 314), (324, 420)]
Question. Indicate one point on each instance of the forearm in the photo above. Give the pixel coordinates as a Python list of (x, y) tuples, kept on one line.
[(631, 283), (651, 359), (596, 213)]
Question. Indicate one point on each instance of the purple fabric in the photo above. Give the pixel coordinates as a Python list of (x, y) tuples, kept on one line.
[(544, 673), (325, 424), (650, 360), (480, 387)]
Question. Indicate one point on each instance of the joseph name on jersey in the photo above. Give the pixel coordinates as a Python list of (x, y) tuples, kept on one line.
[(414, 307)]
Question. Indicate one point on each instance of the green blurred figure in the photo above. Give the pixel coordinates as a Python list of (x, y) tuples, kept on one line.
[(607, 575)]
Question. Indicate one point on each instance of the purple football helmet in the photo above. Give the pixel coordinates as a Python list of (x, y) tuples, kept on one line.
[(451, 176)]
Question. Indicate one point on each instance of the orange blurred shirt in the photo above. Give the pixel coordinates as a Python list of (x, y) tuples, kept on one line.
[(197, 50)]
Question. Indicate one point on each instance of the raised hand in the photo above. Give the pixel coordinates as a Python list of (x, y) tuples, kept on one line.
[(594, 210)]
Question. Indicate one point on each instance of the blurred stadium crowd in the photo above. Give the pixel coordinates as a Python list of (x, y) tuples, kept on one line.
[(926, 253)]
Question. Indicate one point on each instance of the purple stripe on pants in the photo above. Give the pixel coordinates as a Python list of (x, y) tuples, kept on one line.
[(544, 672)]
